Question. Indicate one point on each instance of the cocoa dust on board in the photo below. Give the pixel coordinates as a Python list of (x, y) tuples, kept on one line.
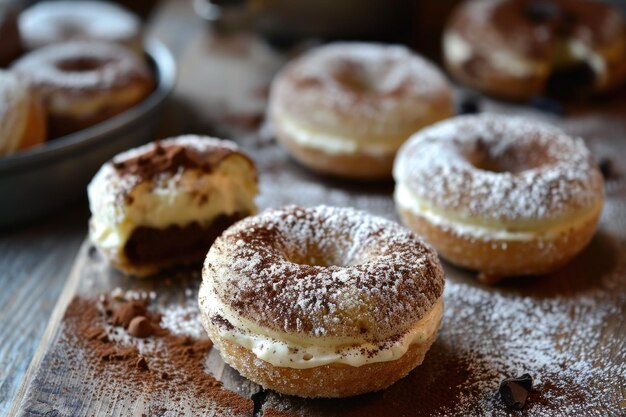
[(168, 368)]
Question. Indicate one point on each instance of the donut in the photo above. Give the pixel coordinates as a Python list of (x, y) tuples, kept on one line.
[(84, 83), (47, 23), (502, 195), (344, 109), (22, 117), (321, 301), (11, 44), (517, 49), (161, 205)]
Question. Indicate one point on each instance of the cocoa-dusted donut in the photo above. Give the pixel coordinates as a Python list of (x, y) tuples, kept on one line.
[(84, 83), (502, 195), (163, 204), (518, 49), (322, 301), (22, 117), (50, 22), (344, 109)]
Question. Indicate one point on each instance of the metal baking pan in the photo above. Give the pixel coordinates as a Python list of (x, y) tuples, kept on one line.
[(43, 179)]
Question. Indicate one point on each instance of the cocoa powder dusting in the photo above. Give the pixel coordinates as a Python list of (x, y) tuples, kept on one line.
[(163, 365)]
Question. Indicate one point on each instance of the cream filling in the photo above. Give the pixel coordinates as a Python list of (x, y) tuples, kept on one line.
[(407, 200), (172, 201), (336, 144), (293, 351)]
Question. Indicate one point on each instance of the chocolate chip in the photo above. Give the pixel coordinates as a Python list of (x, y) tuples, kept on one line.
[(141, 364), (606, 168), (572, 80), (547, 105), (542, 11), (469, 105), (165, 376), (126, 312), (515, 391), (140, 327)]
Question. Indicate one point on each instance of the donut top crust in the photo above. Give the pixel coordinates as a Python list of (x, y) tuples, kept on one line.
[(163, 159), (510, 24), (48, 22), (365, 85), (82, 68), (545, 174), (325, 272)]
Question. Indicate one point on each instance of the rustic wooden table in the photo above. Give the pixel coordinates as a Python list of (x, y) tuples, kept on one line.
[(35, 261)]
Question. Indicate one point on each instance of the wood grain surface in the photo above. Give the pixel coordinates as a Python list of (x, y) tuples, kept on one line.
[(566, 329)]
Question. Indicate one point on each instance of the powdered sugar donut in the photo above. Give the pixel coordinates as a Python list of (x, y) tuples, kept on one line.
[(504, 196), (84, 83), (344, 109), (50, 22), (517, 49), (322, 301)]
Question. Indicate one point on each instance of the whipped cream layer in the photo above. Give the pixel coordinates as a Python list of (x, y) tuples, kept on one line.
[(189, 195), (407, 200), (337, 144), (303, 352)]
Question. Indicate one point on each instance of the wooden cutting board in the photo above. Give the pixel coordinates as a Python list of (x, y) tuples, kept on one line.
[(566, 329)]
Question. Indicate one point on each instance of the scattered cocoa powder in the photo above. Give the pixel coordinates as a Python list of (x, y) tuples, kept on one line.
[(167, 366)]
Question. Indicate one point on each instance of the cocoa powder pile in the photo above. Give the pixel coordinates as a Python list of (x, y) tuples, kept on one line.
[(124, 344)]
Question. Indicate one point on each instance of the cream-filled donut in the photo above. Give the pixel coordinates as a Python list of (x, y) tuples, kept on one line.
[(50, 22), (164, 203), (84, 83), (344, 109), (518, 49), (22, 117), (322, 301), (502, 195)]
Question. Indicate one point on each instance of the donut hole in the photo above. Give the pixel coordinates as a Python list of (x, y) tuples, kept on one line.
[(81, 64), (512, 160), (354, 77)]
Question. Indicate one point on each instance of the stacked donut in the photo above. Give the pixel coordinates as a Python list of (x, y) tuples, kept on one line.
[(83, 67)]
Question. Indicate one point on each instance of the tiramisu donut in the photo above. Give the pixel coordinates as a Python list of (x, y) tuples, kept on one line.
[(321, 302), (51, 22), (517, 49), (344, 109), (164, 203), (10, 42), (504, 196), (22, 118), (84, 83)]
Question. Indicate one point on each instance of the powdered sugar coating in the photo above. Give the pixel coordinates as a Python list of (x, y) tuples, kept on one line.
[(99, 67), (325, 271), (547, 174), (361, 86)]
